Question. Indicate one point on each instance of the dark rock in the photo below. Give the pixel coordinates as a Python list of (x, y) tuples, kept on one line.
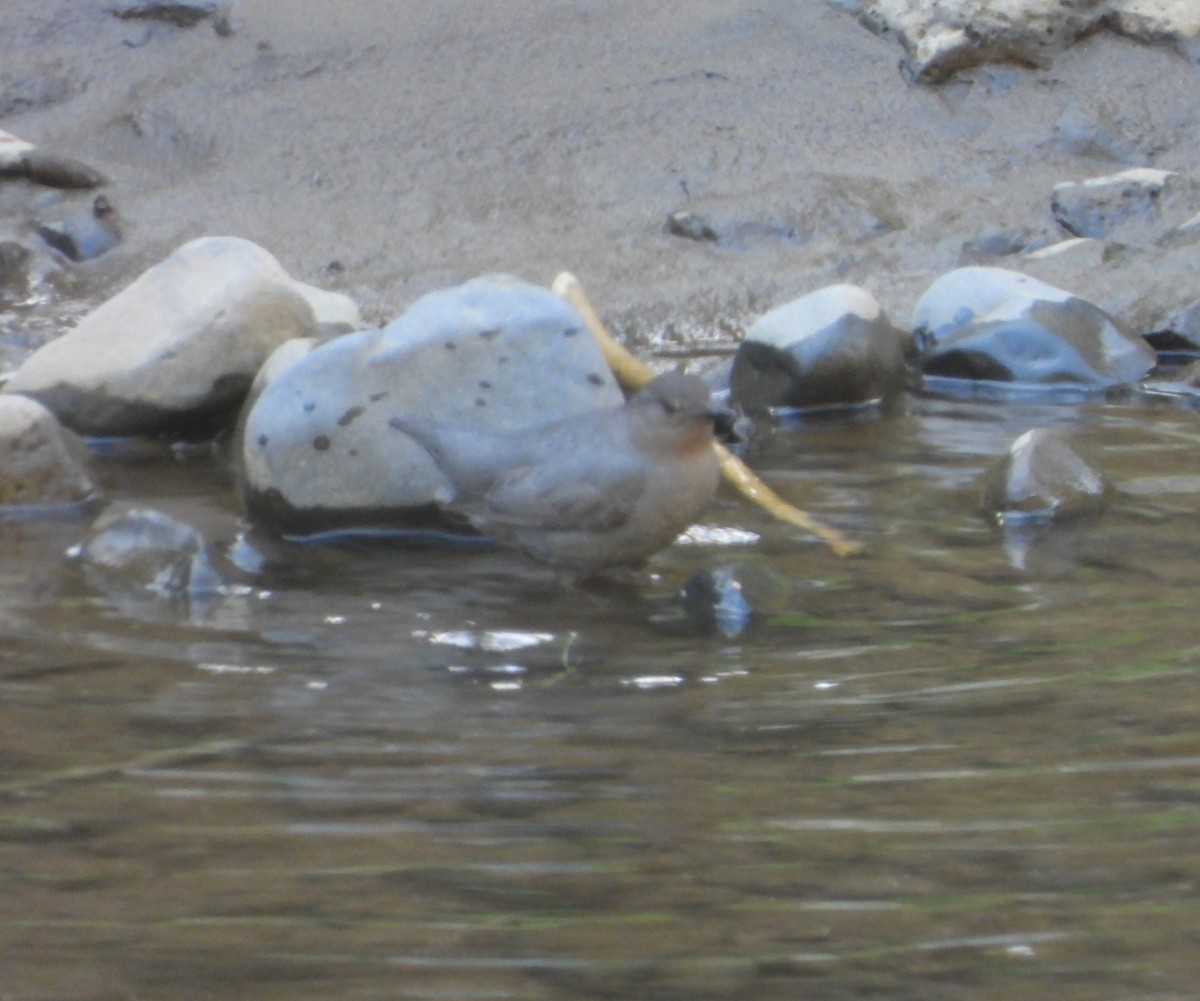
[(14, 270), (998, 325), (1042, 477), (691, 226), (834, 347), (181, 13), (729, 599), (84, 235)]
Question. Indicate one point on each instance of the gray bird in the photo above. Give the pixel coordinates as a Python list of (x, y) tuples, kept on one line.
[(604, 488)]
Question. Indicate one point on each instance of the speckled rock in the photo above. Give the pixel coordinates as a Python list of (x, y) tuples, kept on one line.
[(42, 465), (317, 452), (834, 347), (1041, 477), (1003, 326), (942, 37), (174, 352), (1137, 206)]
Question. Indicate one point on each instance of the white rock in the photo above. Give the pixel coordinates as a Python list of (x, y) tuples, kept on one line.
[(176, 349)]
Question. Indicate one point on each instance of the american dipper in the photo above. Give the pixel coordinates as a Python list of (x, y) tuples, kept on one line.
[(599, 489)]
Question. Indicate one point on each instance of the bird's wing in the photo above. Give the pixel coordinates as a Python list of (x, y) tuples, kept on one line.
[(551, 499)]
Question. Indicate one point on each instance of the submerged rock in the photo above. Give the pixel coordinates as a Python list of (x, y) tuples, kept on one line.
[(175, 352), (1137, 207), (148, 550), (496, 353), (999, 325), (834, 347), (1041, 477), (42, 465)]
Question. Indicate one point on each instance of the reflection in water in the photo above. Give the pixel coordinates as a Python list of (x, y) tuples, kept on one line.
[(965, 763)]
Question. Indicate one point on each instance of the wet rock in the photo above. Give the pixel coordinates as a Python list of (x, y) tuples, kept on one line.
[(147, 552), (14, 270), (942, 37), (1179, 331), (731, 598), (86, 234), (173, 353), (317, 451), (181, 13), (21, 159), (42, 465), (1134, 207), (691, 226), (832, 347), (1183, 384), (1042, 477), (999, 325)]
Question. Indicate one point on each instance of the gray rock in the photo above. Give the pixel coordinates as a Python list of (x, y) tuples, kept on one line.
[(1041, 477), (42, 465), (1136, 207), (832, 347), (999, 325), (942, 37), (174, 352), (317, 452)]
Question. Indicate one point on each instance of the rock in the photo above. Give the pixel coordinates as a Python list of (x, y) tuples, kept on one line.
[(334, 313), (691, 226), (21, 159), (42, 465), (181, 13), (1183, 384), (942, 37), (1135, 207), (728, 599), (317, 451), (840, 208), (85, 235), (832, 347), (143, 553), (14, 270), (1041, 477), (999, 325), (173, 353), (1179, 331)]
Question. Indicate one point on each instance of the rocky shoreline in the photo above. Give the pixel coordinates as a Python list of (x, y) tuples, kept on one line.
[(1067, 285)]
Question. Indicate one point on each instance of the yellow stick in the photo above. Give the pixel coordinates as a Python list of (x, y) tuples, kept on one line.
[(632, 372)]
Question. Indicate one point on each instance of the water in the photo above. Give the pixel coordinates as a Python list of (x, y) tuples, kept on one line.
[(965, 764)]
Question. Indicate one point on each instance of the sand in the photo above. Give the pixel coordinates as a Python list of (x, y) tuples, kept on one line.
[(385, 148)]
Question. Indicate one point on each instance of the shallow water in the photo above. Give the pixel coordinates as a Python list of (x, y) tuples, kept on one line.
[(963, 764)]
